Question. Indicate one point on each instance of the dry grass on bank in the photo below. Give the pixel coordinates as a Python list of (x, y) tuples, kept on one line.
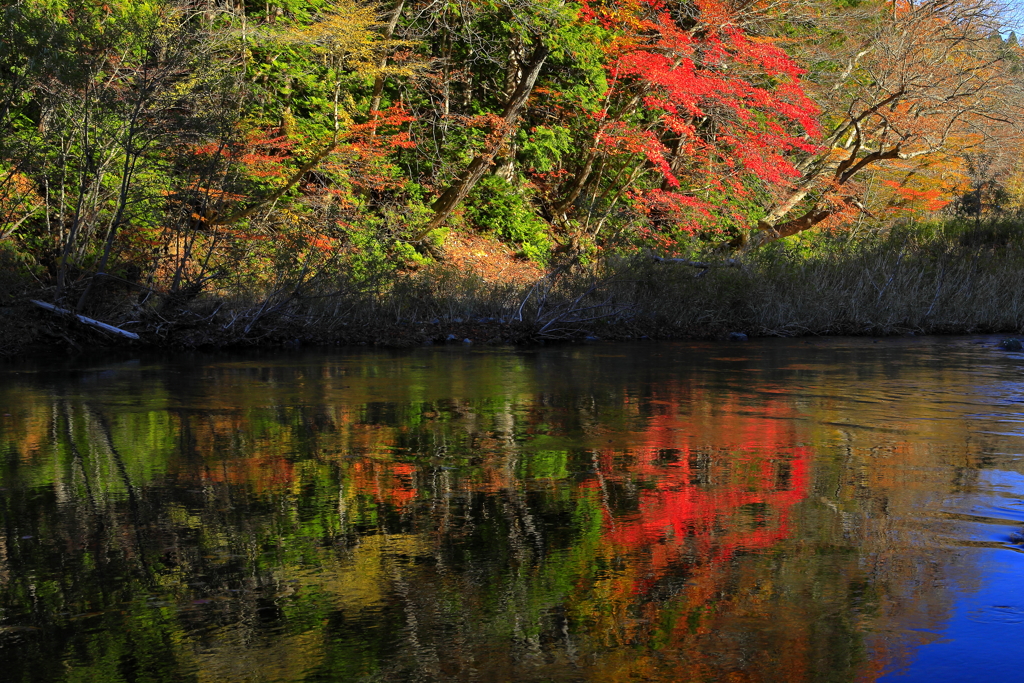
[(937, 281), (956, 282), (896, 285)]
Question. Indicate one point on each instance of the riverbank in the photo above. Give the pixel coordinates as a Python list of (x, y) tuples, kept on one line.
[(908, 281)]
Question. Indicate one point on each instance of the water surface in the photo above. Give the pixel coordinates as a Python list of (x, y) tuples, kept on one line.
[(823, 510)]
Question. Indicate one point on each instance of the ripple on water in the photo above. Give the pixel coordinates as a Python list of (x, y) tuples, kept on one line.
[(667, 512), (998, 614)]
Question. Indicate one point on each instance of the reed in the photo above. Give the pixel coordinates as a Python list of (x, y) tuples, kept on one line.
[(948, 278), (945, 278), (954, 280)]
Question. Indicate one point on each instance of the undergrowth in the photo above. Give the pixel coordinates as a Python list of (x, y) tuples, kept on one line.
[(951, 277)]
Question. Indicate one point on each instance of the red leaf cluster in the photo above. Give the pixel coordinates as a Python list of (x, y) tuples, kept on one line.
[(719, 108)]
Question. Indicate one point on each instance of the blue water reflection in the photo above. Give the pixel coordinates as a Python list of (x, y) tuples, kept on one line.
[(984, 634)]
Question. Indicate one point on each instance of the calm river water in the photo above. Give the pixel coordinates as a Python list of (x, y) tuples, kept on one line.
[(781, 510)]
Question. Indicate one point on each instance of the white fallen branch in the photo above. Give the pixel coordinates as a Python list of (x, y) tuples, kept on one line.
[(84, 320)]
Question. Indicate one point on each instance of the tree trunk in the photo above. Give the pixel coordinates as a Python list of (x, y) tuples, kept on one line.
[(446, 203), (770, 228), (378, 82)]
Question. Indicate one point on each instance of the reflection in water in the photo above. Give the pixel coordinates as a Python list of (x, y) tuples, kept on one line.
[(777, 511)]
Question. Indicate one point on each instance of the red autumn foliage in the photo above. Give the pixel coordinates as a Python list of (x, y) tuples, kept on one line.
[(759, 475), (721, 110)]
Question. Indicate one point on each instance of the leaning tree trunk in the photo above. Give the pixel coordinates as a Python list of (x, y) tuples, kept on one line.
[(772, 227), (378, 82), (446, 203)]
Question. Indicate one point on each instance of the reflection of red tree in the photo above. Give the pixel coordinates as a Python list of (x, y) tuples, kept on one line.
[(728, 486), (263, 472), (712, 480), (386, 482)]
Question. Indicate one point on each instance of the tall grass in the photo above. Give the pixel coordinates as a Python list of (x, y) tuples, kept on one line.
[(927, 278), (952, 279), (931, 278)]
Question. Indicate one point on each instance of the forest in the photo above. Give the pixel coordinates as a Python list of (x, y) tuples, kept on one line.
[(208, 173)]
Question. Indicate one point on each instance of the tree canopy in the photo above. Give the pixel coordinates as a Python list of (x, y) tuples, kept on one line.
[(191, 142)]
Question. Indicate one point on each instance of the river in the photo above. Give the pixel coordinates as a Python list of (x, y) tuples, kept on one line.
[(775, 510)]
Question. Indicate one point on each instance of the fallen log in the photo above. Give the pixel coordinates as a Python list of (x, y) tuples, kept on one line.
[(84, 320)]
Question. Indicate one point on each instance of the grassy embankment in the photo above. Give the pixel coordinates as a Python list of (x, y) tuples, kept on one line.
[(930, 278)]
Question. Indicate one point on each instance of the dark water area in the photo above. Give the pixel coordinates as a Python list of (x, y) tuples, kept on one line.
[(779, 510)]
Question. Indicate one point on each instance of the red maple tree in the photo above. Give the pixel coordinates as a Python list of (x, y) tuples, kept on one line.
[(709, 114)]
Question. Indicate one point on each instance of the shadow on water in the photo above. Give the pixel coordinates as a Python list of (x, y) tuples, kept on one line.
[(823, 510)]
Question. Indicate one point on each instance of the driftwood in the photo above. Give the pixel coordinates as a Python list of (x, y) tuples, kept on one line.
[(84, 320)]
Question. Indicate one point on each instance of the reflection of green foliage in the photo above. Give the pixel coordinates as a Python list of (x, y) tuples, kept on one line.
[(140, 644), (259, 504), (544, 465)]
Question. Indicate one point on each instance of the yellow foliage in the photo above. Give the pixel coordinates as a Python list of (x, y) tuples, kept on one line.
[(346, 37), (1014, 186)]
